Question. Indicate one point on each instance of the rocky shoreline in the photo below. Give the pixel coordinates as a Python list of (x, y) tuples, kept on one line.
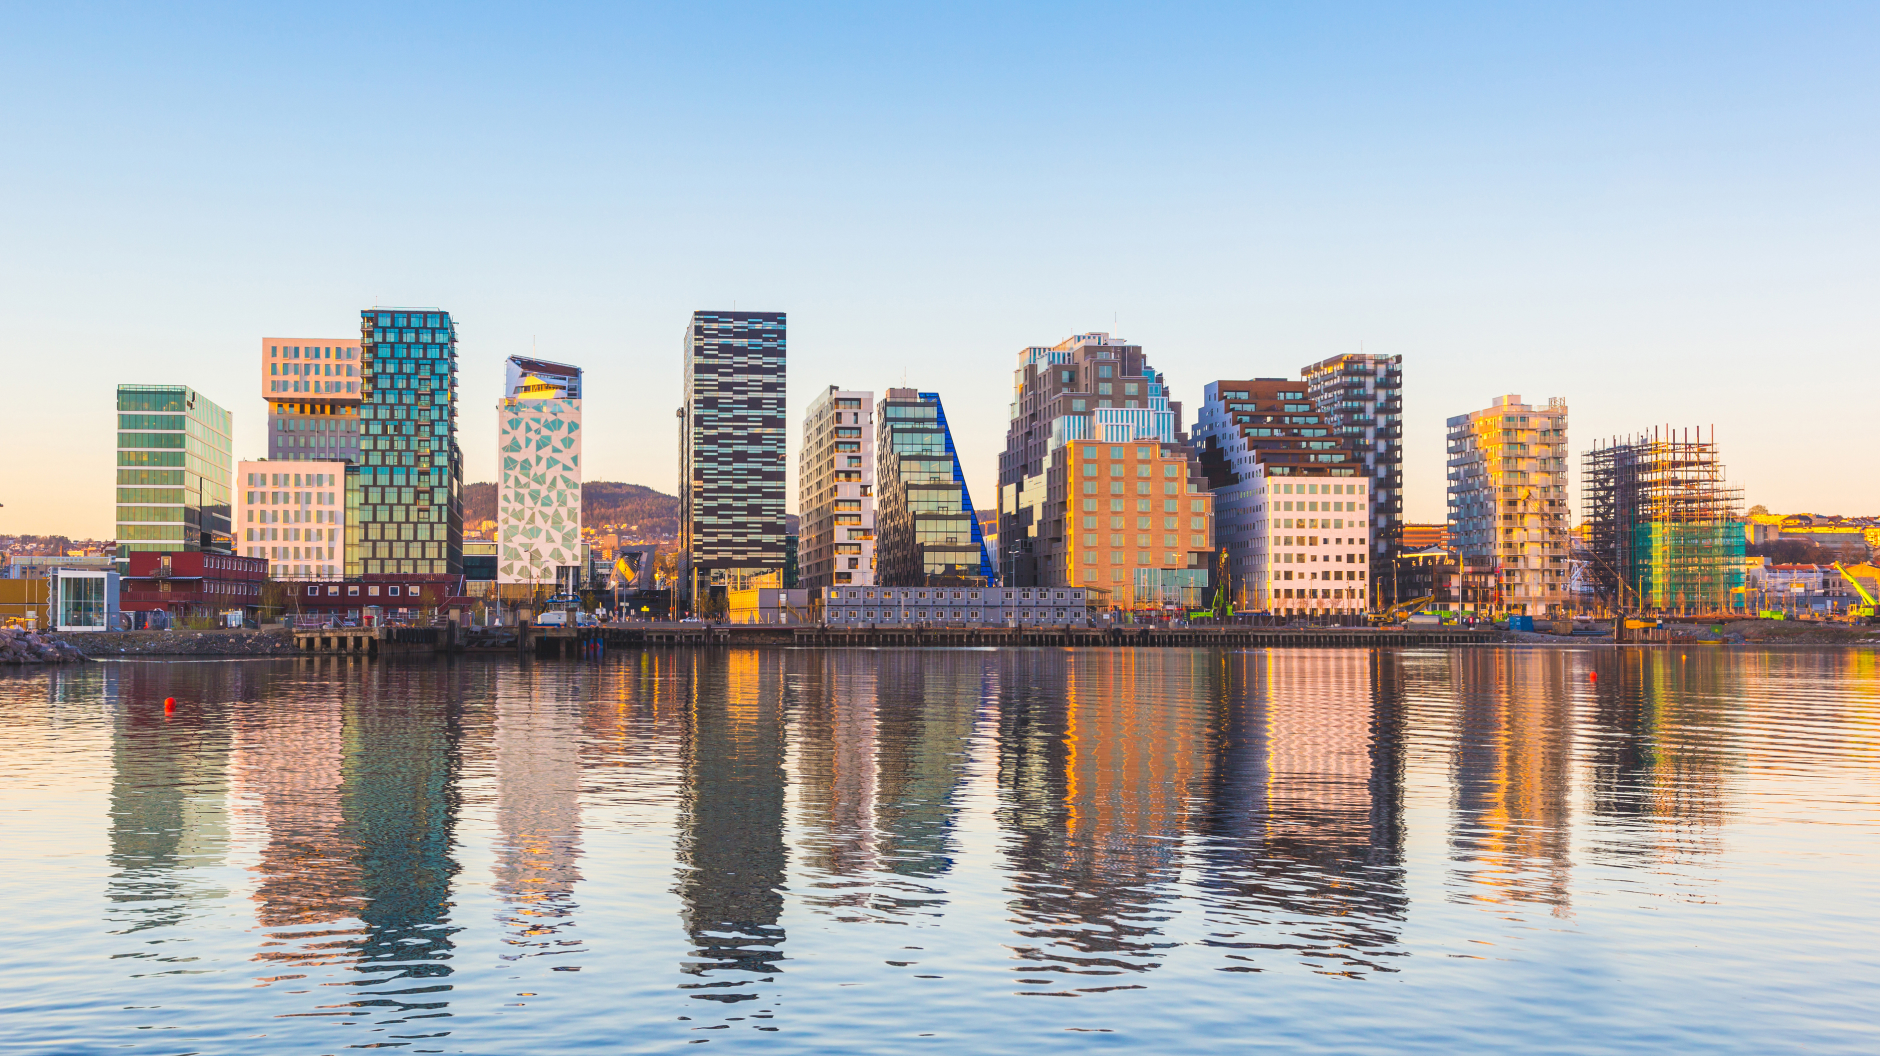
[(19, 646), (185, 643)]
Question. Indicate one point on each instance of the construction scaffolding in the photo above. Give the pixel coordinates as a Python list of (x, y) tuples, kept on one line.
[(1665, 532)]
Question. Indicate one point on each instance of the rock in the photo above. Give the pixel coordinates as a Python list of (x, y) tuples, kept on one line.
[(19, 646)]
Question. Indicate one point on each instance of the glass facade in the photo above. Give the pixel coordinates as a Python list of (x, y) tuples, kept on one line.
[(927, 531), (175, 458), (404, 499)]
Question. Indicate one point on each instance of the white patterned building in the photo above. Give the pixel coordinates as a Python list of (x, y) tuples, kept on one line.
[(538, 490)]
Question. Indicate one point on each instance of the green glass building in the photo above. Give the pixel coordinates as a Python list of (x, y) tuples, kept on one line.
[(175, 465), (404, 500)]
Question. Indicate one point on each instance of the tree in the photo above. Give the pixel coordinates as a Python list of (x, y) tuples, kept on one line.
[(1759, 510)]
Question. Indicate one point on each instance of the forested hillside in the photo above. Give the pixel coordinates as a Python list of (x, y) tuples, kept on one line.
[(603, 502)]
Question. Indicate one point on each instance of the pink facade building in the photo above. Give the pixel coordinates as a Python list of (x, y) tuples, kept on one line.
[(292, 513), (312, 387)]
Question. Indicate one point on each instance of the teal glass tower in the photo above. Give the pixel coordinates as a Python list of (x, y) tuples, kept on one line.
[(404, 500)]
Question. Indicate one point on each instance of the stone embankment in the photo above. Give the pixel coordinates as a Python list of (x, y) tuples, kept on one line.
[(1720, 632), (19, 646), (185, 643)]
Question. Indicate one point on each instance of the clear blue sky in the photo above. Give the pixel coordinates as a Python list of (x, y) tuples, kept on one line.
[(1665, 213)]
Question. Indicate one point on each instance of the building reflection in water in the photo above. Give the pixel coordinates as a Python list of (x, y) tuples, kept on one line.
[(880, 746), (1509, 836), (731, 847), (836, 779), (289, 773), (1096, 759), (538, 812), (1301, 810), (399, 803), (169, 790)]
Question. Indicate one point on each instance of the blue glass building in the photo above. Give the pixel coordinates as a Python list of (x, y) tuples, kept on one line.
[(926, 530)]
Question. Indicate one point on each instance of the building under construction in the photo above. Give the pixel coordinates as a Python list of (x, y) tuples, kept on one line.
[(1665, 532)]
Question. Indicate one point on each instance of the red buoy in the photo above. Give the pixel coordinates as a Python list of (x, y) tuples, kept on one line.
[(1593, 675), (169, 705)]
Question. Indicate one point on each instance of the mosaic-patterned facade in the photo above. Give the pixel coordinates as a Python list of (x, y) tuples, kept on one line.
[(538, 491)]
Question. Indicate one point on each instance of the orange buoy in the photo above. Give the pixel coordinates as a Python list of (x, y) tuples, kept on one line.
[(169, 705), (1593, 675)]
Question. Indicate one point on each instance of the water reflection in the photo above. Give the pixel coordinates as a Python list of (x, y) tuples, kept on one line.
[(1510, 831), (1097, 757), (538, 819), (366, 839), (1303, 812), (731, 850)]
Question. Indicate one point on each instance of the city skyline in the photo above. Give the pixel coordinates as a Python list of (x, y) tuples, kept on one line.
[(1513, 202)]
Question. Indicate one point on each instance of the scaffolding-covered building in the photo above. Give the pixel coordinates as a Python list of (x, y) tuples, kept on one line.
[(1665, 532)]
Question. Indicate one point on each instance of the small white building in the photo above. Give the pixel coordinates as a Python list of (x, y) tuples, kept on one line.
[(82, 599)]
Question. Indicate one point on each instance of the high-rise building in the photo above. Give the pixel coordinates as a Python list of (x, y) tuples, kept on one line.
[(1360, 398), (836, 491), (175, 454), (404, 501), (293, 514), (1508, 505), (1087, 387), (731, 450), (1133, 521), (1292, 499), (927, 531), (1664, 529), (538, 489), (312, 386)]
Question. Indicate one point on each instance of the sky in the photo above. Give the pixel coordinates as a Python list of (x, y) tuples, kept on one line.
[(1663, 213)]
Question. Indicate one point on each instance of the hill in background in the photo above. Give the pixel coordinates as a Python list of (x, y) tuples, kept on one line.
[(602, 502)]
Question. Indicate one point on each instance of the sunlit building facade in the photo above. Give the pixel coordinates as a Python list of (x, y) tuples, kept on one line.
[(836, 491), (1292, 500), (1508, 515), (312, 386), (294, 515)]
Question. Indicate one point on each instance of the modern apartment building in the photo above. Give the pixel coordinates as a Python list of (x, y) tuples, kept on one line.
[(1360, 398), (294, 515), (1508, 505), (404, 500), (312, 386), (731, 450), (927, 531), (836, 491), (538, 489), (1291, 498), (1087, 387), (1131, 522), (175, 454)]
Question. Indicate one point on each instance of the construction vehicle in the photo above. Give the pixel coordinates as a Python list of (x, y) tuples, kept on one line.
[(1400, 612), (1869, 607)]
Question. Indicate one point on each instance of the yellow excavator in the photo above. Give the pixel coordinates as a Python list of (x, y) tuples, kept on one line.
[(1401, 611), (1869, 608)]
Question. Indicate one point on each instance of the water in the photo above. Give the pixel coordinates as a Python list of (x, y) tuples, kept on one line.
[(948, 850)]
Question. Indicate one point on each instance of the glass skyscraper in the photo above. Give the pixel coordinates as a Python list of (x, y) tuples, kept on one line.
[(175, 459), (404, 501), (927, 533)]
